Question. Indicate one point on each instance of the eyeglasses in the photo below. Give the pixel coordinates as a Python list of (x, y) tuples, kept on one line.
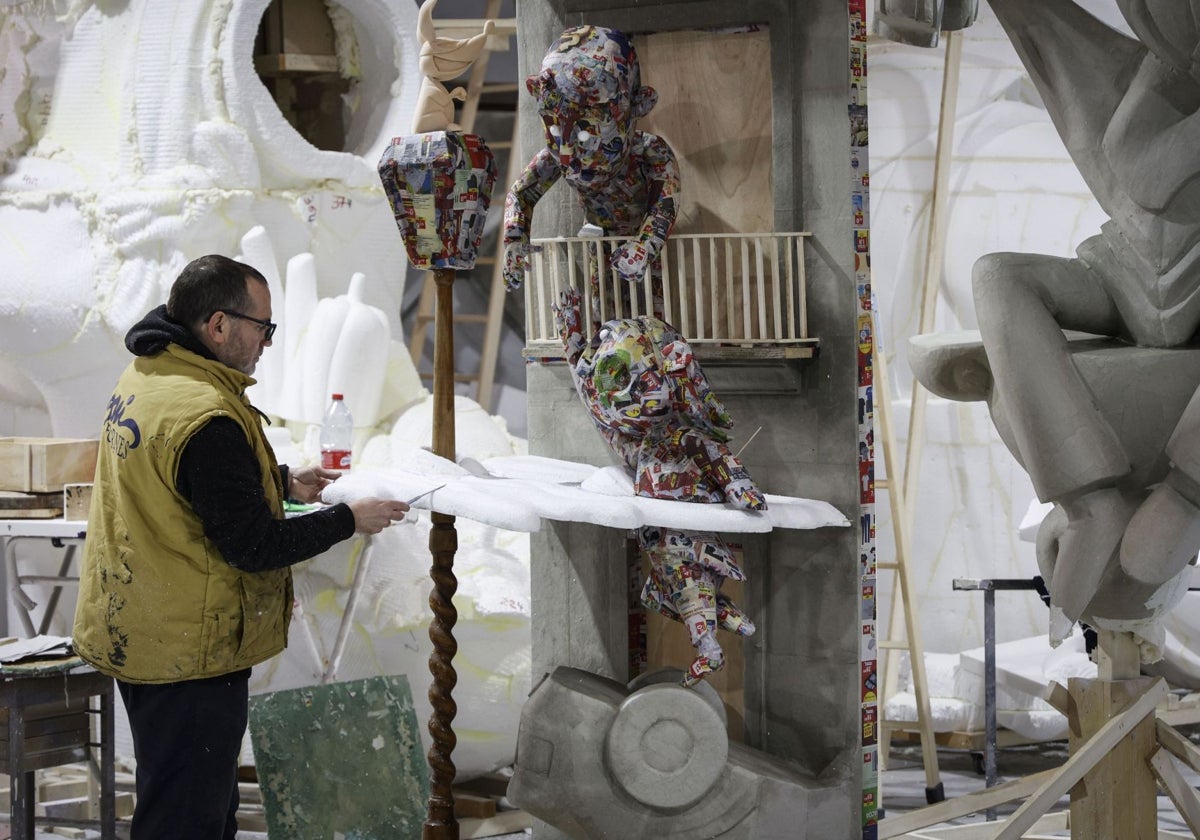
[(267, 326)]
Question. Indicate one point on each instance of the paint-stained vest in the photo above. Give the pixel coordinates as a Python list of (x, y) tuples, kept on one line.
[(157, 601)]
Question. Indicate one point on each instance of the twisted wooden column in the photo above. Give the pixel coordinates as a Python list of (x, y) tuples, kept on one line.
[(440, 823)]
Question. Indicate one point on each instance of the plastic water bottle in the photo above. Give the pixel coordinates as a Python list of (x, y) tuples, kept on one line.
[(337, 432)]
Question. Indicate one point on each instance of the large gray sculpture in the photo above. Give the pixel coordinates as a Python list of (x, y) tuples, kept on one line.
[(921, 22), (1127, 112), (599, 760)]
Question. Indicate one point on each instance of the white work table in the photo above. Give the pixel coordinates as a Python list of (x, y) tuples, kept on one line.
[(66, 534)]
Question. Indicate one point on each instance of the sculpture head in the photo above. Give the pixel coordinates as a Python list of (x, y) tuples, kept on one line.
[(589, 96), (638, 374)]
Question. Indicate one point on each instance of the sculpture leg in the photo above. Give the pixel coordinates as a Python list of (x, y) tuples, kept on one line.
[(695, 597), (1024, 302), (1164, 534)]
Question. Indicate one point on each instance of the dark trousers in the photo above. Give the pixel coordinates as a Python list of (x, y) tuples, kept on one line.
[(187, 737)]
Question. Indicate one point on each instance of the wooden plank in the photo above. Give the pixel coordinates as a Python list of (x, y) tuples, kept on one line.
[(305, 27), (50, 758), (935, 249), (473, 805), (907, 732), (13, 500), (44, 465), (1059, 698), (1116, 798), (1117, 656), (505, 822), (49, 726), (1182, 716), (1056, 821), (1177, 788), (1176, 744), (280, 63), (1082, 761), (962, 805)]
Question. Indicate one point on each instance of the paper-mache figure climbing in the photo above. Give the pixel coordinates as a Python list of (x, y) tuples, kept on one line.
[(651, 401), (589, 96)]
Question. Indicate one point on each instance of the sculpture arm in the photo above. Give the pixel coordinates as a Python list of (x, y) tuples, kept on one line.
[(1153, 141), (661, 171), (539, 175), (722, 467), (568, 319), (1082, 69)]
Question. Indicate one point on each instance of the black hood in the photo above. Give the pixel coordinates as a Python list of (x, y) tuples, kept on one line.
[(158, 329)]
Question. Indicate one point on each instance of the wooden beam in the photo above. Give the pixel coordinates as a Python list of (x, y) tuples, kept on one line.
[(935, 251), (1084, 760), (1117, 655), (1177, 788), (962, 805), (1177, 745), (1095, 812), (1058, 697), (1049, 827)]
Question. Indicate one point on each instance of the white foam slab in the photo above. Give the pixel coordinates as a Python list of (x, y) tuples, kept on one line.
[(520, 504)]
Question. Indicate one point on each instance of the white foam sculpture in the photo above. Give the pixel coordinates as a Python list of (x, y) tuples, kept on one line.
[(122, 164), (138, 136)]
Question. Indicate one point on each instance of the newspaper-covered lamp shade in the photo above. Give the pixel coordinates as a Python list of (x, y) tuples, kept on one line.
[(439, 185)]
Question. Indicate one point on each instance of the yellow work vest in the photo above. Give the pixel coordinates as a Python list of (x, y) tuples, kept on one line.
[(157, 601)]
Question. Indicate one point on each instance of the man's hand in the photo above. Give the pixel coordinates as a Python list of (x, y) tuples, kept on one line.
[(373, 515), (305, 484)]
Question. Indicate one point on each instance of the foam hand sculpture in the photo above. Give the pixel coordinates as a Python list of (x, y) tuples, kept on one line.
[(652, 403), (589, 96), (345, 349)]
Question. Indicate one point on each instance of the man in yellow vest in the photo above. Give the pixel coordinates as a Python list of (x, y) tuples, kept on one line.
[(186, 580)]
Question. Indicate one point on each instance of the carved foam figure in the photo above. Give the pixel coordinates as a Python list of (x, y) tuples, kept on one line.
[(442, 59), (652, 403), (1128, 113), (589, 96)]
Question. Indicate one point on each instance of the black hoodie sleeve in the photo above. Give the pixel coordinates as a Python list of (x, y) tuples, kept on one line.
[(219, 475)]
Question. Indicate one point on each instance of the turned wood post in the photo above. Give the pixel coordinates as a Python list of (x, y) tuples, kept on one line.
[(440, 823), (439, 185)]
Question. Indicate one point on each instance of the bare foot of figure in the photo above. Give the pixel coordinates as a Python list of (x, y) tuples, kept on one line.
[(1096, 521), (1164, 534)]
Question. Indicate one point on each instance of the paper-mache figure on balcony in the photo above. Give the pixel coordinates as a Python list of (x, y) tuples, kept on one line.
[(651, 401), (589, 96)]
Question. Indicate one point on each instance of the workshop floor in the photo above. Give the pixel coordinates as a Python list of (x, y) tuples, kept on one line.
[(903, 787)]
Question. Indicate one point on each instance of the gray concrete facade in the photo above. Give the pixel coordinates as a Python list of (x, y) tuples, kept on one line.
[(802, 681)]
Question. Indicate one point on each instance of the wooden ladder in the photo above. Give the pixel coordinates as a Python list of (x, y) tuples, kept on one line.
[(902, 606), (901, 484), (484, 378)]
